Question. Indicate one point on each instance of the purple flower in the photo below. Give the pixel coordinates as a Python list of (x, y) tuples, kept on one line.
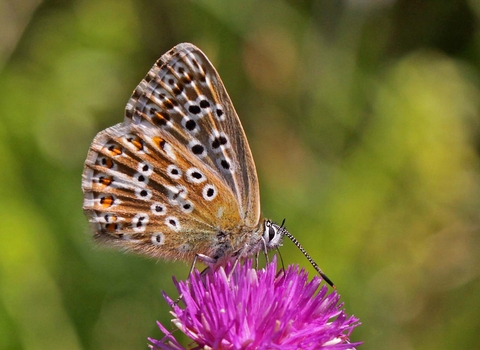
[(258, 309)]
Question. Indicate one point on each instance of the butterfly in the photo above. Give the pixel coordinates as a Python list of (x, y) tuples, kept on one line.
[(176, 180)]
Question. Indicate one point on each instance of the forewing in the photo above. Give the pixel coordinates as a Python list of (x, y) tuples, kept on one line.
[(183, 96)]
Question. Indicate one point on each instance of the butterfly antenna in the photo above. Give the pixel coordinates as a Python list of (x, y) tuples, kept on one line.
[(304, 252)]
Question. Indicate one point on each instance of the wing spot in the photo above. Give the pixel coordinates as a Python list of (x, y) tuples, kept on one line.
[(106, 162), (173, 223), (204, 104), (106, 180), (191, 124), (145, 168), (187, 207), (110, 218), (159, 142), (158, 209), (220, 115), (140, 179), (225, 164), (110, 228), (186, 80), (209, 192), (174, 172), (158, 238), (168, 104), (198, 149), (107, 201), (139, 222), (143, 193), (115, 150), (178, 90), (137, 142), (161, 119), (184, 248), (194, 109), (195, 176), (219, 141)]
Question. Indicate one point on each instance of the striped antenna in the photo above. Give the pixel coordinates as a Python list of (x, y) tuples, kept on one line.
[(309, 258)]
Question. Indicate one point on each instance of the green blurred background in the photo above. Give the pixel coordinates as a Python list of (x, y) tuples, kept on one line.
[(363, 118)]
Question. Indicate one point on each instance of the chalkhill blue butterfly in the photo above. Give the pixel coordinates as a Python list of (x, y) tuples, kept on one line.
[(176, 179)]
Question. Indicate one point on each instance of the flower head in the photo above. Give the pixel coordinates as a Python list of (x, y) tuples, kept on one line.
[(245, 308)]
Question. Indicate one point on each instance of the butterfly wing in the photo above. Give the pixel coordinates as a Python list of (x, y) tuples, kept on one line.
[(184, 95), (177, 174)]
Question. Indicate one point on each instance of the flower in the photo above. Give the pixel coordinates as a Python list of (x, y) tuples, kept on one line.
[(239, 307)]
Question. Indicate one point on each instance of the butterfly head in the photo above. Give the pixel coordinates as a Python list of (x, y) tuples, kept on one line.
[(272, 234)]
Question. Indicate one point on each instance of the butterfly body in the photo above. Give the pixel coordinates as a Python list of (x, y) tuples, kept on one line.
[(177, 178)]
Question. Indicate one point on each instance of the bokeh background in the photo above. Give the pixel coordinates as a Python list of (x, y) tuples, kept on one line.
[(363, 118)]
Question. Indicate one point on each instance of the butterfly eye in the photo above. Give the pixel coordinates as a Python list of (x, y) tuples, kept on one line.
[(271, 233)]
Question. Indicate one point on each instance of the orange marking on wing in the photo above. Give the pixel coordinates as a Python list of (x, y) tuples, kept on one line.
[(111, 227), (137, 142), (159, 141), (115, 150), (105, 180), (106, 201), (108, 163)]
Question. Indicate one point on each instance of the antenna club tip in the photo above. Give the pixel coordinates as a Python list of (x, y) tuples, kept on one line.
[(329, 281)]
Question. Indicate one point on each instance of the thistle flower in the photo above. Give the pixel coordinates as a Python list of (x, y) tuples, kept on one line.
[(258, 309)]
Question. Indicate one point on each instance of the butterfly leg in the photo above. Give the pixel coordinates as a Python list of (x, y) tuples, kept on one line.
[(233, 269), (265, 252), (206, 259)]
